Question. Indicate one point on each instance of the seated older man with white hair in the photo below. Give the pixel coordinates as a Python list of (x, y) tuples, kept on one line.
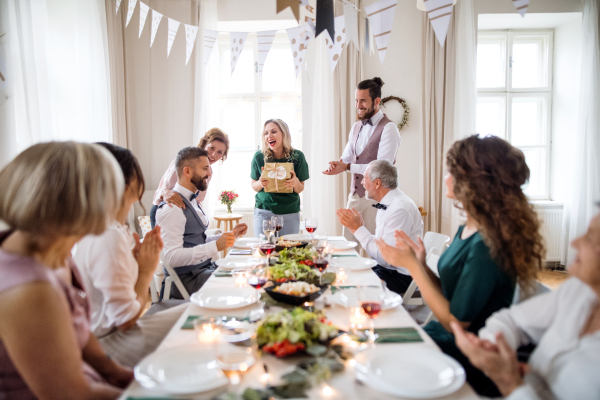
[(395, 211)]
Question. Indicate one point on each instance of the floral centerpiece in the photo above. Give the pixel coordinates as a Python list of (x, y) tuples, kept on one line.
[(228, 198)]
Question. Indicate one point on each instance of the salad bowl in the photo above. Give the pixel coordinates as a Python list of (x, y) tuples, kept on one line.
[(294, 300)]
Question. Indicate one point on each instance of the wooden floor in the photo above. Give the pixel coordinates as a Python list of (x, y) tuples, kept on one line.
[(553, 279)]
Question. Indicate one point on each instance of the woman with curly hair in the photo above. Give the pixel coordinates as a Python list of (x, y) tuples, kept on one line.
[(498, 247)]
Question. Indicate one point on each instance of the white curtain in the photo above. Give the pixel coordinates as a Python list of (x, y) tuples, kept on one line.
[(207, 93), (58, 63), (319, 136), (585, 190)]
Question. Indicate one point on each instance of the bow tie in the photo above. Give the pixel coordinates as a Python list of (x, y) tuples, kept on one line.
[(367, 122), (194, 195), (380, 206)]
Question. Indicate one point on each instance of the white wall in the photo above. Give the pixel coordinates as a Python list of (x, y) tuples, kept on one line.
[(402, 73), (565, 103)]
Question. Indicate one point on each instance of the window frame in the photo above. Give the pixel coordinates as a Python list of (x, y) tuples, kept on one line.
[(509, 93)]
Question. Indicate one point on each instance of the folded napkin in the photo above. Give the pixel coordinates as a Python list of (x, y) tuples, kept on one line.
[(189, 322), (221, 274), (395, 335), (335, 289), (240, 252), (344, 255)]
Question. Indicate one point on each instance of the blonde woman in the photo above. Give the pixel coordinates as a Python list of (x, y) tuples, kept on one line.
[(277, 147), (52, 195), (216, 143)]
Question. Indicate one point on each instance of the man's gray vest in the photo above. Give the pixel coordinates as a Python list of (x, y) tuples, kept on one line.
[(193, 235)]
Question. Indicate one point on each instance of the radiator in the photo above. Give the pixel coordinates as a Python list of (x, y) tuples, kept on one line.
[(551, 218)]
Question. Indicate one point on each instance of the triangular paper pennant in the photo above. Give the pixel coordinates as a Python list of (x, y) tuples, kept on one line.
[(171, 33), (237, 41), (381, 20), (293, 4), (130, 9), (190, 39), (521, 6), (118, 4), (439, 13), (335, 46), (351, 22), (325, 16), (299, 39), (265, 40), (143, 14), (303, 3), (156, 17), (210, 38)]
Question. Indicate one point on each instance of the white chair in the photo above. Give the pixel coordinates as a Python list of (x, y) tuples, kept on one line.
[(172, 278), (435, 244), (145, 227)]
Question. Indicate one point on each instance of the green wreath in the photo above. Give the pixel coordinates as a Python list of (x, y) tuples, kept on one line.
[(402, 102)]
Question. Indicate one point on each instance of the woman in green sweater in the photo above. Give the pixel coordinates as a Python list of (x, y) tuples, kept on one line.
[(499, 245), (277, 147)]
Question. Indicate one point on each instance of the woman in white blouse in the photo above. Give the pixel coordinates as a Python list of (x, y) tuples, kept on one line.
[(116, 269), (565, 326)]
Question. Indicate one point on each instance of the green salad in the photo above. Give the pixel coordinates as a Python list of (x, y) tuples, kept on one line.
[(296, 254), (292, 271), (290, 331)]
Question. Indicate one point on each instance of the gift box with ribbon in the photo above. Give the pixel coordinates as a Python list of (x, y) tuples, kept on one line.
[(277, 174)]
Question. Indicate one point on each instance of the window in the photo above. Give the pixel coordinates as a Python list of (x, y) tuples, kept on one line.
[(247, 99), (514, 101)]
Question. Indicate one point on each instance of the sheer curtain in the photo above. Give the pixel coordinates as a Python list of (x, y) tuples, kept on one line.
[(57, 58), (585, 190)]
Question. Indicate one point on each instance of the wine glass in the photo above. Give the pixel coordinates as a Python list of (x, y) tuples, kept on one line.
[(371, 301), (277, 221), (236, 350), (268, 228), (259, 275), (311, 225), (321, 261)]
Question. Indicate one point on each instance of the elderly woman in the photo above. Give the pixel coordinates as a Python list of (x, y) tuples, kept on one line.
[(498, 247), (565, 326), (52, 195), (216, 143)]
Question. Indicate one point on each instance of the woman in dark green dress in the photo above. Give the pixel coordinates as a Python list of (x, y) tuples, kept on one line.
[(498, 247)]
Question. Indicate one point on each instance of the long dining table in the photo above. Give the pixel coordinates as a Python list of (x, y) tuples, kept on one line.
[(343, 385)]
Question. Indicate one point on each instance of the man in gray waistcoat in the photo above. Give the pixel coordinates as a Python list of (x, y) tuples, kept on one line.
[(373, 137), (186, 247)]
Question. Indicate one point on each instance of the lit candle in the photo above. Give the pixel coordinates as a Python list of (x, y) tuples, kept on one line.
[(265, 378), (341, 275), (358, 319), (208, 334), (240, 277), (327, 391)]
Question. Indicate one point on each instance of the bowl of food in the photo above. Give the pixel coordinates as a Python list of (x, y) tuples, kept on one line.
[(288, 244), (289, 332), (295, 293)]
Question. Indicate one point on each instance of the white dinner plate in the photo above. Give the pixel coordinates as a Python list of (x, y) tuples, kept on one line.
[(244, 243), (349, 298), (342, 245), (228, 264), (354, 263), (225, 298), (298, 237), (414, 372), (181, 370)]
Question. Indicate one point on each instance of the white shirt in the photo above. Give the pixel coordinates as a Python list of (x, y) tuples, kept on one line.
[(564, 365), (172, 224), (109, 272), (388, 144), (401, 214)]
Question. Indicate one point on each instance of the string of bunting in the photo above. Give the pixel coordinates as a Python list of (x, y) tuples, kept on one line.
[(378, 21)]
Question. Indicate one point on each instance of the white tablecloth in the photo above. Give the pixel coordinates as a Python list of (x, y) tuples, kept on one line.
[(344, 384)]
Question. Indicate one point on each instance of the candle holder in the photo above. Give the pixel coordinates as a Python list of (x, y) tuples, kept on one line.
[(341, 274), (208, 330), (240, 277)]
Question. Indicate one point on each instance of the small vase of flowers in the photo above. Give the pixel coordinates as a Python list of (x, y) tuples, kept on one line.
[(228, 197)]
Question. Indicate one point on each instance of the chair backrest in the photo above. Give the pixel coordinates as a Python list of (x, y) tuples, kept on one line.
[(144, 222), (432, 262), (174, 276), (435, 242)]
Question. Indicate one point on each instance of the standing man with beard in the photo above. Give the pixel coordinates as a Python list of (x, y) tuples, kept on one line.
[(373, 137), (186, 247)]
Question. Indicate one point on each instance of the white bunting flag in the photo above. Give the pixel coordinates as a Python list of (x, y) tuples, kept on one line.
[(303, 3), (299, 39), (351, 18), (118, 4), (210, 37), (439, 13), (335, 46), (171, 33), (130, 9), (381, 20), (156, 17), (265, 40), (143, 14), (521, 6), (190, 39), (237, 40)]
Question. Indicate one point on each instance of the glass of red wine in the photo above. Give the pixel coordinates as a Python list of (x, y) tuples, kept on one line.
[(267, 248), (311, 225), (277, 222), (321, 260), (259, 275), (371, 301)]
